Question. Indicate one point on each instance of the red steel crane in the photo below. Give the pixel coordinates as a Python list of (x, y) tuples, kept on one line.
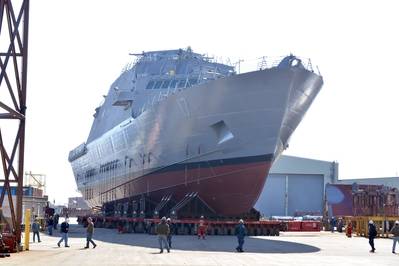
[(14, 24)]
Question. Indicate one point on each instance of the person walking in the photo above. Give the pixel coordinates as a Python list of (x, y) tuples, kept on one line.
[(64, 233), (56, 219), (349, 229), (163, 232), (395, 232), (332, 224), (171, 230), (89, 233), (35, 230), (201, 228), (372, 235), (340, 225), (50, 224), (240, 232)]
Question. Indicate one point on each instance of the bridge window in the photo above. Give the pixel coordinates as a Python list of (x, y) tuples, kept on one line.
[(157, 85), (150, 85), (173, 83), (182, 83), (165, 84)]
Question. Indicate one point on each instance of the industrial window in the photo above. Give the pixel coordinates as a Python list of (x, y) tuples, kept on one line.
[(173, 83), (109, 166), (150, 85), (165, 84), (157, 85), (181, 83)]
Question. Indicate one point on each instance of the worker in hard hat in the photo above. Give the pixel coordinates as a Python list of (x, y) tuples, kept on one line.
[(333, 222), (171, 230), (349, 229), (35, 230), (395, 232), (372, 235), (89, 233), (163, 232), (240, 232), (201, 228)]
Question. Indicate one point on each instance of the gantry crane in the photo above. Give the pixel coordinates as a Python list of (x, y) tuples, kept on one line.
[(14, 24)]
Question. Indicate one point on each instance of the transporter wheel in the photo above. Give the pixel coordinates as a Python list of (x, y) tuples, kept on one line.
[(264, 231)]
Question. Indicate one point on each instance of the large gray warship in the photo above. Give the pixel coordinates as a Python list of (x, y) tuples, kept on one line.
[(177, 123)]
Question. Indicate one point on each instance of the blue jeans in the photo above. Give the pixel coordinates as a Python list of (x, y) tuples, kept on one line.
[(162, 239), (169, 238), (371, 242), (38, 236), (240, 243), (64, 237), (89, 239), (50, 230), (395, 239)]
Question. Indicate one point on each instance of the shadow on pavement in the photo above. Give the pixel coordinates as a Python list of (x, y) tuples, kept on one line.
[(191, 243)]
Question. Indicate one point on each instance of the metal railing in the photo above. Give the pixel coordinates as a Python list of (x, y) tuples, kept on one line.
[(267, 62)]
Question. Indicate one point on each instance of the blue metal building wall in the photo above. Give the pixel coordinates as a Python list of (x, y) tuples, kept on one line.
[(305, 194), (272, 199), (27, 191)]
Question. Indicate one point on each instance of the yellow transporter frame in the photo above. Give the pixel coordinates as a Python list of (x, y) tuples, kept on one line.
[(360, 224)]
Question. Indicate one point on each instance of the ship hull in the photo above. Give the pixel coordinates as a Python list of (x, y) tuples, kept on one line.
[(220, 146), (228, 186)]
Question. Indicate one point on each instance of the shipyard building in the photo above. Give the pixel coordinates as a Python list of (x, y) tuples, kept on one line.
[(296, 186)]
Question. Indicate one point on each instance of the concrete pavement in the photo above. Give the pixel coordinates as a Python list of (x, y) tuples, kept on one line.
[(298, 248)]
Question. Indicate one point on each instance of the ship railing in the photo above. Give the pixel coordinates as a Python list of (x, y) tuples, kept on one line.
[(129, 65), (267, 62)]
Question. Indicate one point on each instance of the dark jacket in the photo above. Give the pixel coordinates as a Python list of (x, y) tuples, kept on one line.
[(64, 227), (56, 218), (372, 230), (35, 227), (90, 228), (395, 230), (171, 228), (240, 231), (163, 229), (50, 222)]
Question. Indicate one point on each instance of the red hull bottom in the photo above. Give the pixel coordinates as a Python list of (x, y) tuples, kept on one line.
[(229, 189)]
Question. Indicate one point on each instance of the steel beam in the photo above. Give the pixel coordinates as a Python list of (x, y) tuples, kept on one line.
[(13, 82)]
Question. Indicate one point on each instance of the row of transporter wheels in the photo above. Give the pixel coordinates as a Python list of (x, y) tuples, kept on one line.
[(189, 228)]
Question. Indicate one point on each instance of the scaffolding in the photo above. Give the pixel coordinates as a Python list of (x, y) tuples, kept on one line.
[(36, 181)]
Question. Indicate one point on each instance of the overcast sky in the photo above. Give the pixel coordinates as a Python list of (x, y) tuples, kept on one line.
[(78, 48)]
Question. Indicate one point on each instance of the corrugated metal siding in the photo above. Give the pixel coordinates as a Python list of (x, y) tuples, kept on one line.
[(305, 194), (271, 200)]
